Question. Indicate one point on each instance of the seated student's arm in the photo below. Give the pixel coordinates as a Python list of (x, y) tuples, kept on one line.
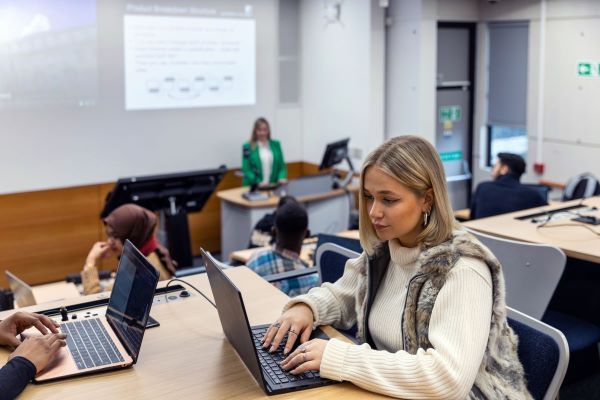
[(31, 355), (89, 275), (458, 331), (15, 376), (334, 303)]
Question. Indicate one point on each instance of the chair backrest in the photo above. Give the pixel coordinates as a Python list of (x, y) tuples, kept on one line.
[(349, 243), (581, 186), (544, 353), (331, 260), (531, 271), (543, 190)]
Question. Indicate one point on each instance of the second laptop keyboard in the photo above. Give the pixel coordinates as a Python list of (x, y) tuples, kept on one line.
[(270, 361), (89, 343)]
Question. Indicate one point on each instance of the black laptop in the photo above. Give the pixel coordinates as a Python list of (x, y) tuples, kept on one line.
[(263, 365)]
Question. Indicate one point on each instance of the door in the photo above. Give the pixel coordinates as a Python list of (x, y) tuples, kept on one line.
[(454, 107)]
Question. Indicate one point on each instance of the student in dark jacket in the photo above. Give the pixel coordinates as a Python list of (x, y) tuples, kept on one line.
[(505, 193), (31, 355)]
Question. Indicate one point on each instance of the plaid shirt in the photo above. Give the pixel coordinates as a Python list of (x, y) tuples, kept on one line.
[(268, 262)]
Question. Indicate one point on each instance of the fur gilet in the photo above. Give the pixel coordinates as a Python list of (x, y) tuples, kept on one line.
[(501, 374)]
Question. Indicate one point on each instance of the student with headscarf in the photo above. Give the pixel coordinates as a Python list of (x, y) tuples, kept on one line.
[(137, 224)]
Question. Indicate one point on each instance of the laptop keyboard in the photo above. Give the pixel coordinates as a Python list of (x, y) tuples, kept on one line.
[(270, 361), (89, 343)]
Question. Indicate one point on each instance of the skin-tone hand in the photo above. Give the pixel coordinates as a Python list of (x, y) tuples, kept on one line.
[(99, 250), (40, 350), (19, 321), (306, 357), (297, 322)]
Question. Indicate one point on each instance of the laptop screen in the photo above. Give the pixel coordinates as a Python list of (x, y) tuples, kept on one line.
[(131, 298), (232, 314)]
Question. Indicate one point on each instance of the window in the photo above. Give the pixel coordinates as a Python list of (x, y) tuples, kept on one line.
[(507, 89)]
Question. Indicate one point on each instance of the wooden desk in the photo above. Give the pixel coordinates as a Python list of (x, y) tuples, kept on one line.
[(351, 234), (306, 254), (575, 241), (328, 212), (54, 292), (188, 356)]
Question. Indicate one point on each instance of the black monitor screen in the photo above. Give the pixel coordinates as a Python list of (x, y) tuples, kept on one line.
[(189, 190), (335, 153), (131, 298)]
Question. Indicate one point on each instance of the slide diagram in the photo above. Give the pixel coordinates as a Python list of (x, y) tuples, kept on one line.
[(184, 62)]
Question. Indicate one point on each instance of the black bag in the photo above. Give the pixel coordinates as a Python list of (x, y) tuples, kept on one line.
[(7, 300)]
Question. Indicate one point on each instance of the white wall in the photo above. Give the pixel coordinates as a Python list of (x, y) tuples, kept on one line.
[(571, 138), (60, 147), (342, 78), (411, 49)]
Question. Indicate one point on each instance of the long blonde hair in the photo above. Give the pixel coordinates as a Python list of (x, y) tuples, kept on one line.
[(253, 138), (415, 163)]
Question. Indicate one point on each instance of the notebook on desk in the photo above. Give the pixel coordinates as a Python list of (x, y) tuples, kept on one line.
[(245, 339), (114, 340)]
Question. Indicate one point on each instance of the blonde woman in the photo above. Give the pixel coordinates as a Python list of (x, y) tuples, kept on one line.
[(428, 298)]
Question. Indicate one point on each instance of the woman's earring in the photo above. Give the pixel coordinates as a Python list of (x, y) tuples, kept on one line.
[(425, 218)]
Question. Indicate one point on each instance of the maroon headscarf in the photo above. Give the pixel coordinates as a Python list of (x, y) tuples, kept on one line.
[(137, 224)]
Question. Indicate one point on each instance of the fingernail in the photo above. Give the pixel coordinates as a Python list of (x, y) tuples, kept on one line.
[(272, 349)]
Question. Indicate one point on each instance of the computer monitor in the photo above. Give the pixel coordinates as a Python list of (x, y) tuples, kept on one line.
[(335, 153), (174, 195)]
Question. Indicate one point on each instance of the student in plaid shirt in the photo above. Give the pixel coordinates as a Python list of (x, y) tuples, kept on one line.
[(291, 226)]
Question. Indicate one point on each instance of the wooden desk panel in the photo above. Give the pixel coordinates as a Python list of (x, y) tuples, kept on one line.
[(188, 355), (575, 241)]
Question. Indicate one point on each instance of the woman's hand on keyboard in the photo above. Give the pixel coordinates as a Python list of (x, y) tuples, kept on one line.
[(306, 357), (296, 322)]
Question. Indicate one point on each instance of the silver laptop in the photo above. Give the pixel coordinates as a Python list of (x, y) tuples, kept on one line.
[(22, 292), (114, 340)]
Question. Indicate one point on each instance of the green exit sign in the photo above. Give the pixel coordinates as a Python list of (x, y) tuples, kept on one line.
[(584, 69), (451, 155), (450, 113)]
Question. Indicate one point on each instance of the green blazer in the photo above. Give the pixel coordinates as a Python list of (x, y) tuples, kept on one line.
[(252, 166)]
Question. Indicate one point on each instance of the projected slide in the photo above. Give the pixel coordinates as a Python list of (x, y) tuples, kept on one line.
[(47, 53), (183, 62)]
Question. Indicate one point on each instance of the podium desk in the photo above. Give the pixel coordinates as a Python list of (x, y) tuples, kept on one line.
[(575, 240), (328, 212), (188, 356)]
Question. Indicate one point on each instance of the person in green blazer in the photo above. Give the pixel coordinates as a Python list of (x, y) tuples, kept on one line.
[(262, 158)]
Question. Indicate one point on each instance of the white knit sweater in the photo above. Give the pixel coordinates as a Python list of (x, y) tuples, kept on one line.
[(458, 330)]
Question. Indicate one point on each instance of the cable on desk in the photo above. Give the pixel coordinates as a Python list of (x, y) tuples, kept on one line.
[(569, 224), (190, 285)]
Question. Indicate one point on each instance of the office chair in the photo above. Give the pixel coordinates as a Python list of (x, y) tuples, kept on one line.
[(544, 353), (348, 243), (581, 186), (528, 268), (544, 190), (330, 260), (532, 272)]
